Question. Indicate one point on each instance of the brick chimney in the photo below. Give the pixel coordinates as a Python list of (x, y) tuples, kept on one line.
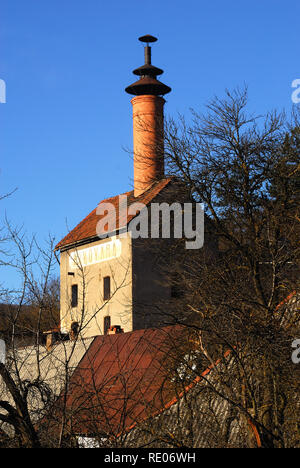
[(148, 122)]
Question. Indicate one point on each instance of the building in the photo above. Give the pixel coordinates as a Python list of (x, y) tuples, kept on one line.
[(152, 386), (155, 388), (138, 390), (141, 389), (108, 277)]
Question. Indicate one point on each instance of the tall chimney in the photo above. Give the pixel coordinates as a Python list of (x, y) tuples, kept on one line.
[(148, 122)]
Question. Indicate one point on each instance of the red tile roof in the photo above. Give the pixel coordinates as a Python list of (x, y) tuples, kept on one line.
[(125, 378), (86, 229)]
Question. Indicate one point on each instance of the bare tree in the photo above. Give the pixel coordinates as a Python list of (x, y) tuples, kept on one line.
[(35, 375), (245, 169)]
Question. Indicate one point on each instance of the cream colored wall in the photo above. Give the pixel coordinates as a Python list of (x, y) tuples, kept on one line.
[(91, 306)]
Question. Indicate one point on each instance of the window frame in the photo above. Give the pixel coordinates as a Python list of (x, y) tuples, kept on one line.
[(74, 296), (106, 288)]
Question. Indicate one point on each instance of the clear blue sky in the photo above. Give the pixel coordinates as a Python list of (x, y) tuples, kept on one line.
[(66, 63)]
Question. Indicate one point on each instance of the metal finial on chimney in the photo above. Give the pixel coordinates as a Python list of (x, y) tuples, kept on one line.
[(148, 38), (148, 84)]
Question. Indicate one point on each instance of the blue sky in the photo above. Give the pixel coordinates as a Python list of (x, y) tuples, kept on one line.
[(66, 63)]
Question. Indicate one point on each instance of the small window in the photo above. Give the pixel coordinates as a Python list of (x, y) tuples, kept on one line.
[(106, 324), (177, 290), (106, 288), (74, 301)]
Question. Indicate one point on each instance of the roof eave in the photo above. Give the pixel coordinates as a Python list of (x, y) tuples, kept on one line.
[(89, 240)]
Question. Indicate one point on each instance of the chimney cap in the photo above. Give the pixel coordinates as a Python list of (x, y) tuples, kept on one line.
[(147, 38), (148, 69), (148, 84)]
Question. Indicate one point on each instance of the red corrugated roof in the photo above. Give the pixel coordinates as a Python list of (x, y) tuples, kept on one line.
[(125, 378), (86, 229)]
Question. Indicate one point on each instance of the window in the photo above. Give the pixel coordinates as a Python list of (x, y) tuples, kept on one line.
[(106, 288), (177, 290), (106, 324), (74, 300)]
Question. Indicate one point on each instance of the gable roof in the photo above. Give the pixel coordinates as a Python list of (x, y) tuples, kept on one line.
[(86, 229), (130, 370)]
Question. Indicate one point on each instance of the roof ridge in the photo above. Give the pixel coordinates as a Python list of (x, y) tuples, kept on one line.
[(86, 229), (115, 196)]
